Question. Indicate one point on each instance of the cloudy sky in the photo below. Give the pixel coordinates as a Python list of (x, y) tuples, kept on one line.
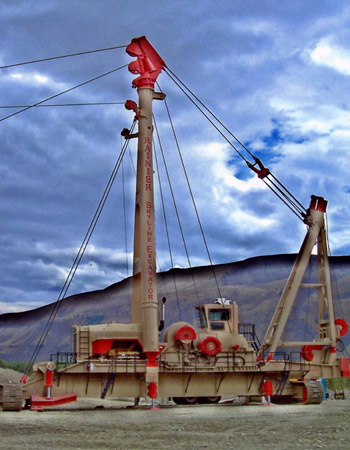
[(276, 72)]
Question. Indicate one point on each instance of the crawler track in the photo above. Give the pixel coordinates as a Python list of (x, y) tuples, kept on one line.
[(11, 396), (313, 392)]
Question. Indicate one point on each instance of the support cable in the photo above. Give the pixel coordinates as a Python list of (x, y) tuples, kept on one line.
[(301, 207), (208, 118), (283, 200), (335, 282), (63, 92), (77, 260), (61, 104), (209, 111), (167, 229), (125, 226), (176, 212), (62, 56), (299, 211), (308, 301), (192, 198)]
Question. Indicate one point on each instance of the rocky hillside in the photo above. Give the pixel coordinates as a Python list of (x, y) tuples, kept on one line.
[(255, 284)]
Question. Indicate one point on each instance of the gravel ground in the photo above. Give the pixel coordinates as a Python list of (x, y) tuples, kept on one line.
[(97, 424), (9, 376)]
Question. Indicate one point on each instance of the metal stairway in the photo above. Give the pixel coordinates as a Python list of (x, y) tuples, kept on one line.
[(110, 382), (84, 344)]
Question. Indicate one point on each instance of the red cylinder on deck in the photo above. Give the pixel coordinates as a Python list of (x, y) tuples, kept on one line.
[(152, 390), (48, 378), (267, 387)]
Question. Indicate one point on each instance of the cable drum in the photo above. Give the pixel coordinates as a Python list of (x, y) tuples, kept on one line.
[(209, 345), (180, 333), (185, 333)]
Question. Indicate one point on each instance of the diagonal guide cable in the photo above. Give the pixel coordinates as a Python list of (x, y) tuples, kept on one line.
[(80, 254), (193, 200), (63, 92), (206, 115), (176, 210), (191, 193), (125, 224), (61, 104), (78, 257), (285, 192), (274, 184), (210, 112), (335, 283), (300, 215), (51, 58), (166, 221), (286, 196)]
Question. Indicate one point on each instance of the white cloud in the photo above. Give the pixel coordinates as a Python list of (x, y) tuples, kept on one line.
[(9, 308), (92, 251), (326, 53), (41, 79), (218, 172), (324, 120), (303, 118), (218, 177), (35, 79)]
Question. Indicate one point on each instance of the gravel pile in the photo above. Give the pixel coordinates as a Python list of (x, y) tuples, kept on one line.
[(9, 376)]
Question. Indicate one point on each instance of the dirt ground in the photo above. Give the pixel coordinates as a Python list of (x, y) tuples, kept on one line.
[(98, 424)]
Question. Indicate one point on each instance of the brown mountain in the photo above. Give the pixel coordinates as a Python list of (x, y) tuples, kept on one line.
[(255, 284)]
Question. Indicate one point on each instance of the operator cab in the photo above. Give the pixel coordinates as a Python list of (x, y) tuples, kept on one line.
[(222, 315)]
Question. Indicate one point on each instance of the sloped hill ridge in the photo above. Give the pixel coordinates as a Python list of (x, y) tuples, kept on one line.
[(255, 284)]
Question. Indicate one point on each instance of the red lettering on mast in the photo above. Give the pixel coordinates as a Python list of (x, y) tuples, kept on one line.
[(148, 164)]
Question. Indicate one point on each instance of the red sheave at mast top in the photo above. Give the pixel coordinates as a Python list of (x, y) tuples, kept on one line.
[(148, 64)]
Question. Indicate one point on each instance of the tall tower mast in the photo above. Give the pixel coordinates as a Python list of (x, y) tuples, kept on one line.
[(144, 306)]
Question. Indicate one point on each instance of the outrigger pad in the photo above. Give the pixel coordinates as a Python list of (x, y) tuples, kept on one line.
[(38, 402)]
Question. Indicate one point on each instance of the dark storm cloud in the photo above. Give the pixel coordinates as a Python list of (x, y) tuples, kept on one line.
[(274, 72)]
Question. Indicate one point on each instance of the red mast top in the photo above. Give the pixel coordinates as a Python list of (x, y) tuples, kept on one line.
[(148, 64)]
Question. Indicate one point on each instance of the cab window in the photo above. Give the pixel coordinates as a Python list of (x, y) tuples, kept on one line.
[(202, 318), (219, 314)]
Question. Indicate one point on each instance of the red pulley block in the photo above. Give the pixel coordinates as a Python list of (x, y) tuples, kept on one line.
[(130, 105), (306, 351), (344, 326)]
